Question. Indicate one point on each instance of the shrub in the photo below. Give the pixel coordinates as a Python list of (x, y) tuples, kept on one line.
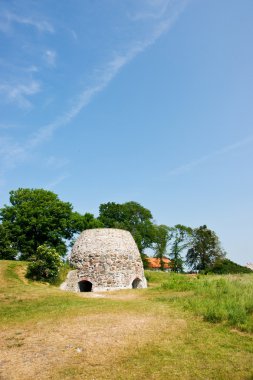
[(45, 264)]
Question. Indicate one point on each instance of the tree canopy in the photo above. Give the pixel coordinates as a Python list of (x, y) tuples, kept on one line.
[(130, 216), (36, 217), (180, 240), (205, 249)]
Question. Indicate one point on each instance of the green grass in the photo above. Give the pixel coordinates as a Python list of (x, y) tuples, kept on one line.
[(181, 327), (227, 298), (24, 300)]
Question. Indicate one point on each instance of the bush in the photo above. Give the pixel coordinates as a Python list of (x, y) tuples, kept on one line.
[(45, 265)]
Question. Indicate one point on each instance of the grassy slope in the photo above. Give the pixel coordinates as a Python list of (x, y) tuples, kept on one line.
[(227, 299), (152, 333)]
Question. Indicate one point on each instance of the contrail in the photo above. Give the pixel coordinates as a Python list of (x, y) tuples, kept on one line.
[(107, 74), (17, 153), (190, 165)]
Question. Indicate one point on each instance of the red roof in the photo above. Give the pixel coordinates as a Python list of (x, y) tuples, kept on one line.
[(155, 263)]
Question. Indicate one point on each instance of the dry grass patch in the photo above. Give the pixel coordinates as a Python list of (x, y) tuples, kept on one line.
[(49, 351)]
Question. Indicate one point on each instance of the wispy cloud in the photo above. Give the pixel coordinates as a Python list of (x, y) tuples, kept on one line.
[(74, 34), (104, 76), (7, 126), (32, 69), (50, 57), (10, 152), (226, 149), (8, 19), (51, 185), (20, 92), (56, 162), (156, 10)]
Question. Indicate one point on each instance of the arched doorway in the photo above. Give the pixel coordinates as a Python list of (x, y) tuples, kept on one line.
[(136, 283), (85, 286)]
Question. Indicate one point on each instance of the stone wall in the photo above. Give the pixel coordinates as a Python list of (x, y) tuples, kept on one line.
[(108, 258)]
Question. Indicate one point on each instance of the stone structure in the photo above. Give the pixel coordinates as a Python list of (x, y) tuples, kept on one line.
[(105, 259)]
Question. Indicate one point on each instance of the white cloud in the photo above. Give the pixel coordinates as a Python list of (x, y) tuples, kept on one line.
[(9, 18), (50, 57), (56, 162), (32, 69), (74, 34), (10, 153), (56, 181), (19, 93), (156, 10)]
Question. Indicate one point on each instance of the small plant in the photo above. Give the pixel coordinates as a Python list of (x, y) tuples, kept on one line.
[(45, 265)]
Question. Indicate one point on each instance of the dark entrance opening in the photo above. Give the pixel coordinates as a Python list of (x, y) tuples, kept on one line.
[(136, 283), (85, 286)]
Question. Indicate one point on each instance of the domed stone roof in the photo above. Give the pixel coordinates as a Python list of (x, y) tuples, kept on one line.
[(105, 259)]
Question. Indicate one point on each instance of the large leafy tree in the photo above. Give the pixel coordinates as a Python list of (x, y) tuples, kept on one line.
[(205, 249), (83, 222), (36, 217), (180, 240), (130, 216)]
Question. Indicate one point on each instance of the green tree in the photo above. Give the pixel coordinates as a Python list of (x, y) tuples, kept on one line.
[(87, 221), (180, 240), (45, 264), (130, 216), (161, 238), (7, 251), (226, 266), (205, 249), (83, 222), (36, 217)]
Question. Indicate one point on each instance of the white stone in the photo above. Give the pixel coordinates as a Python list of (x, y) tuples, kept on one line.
[(105, 259)]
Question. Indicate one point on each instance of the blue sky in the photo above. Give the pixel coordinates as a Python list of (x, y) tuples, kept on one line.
[(143, 100)]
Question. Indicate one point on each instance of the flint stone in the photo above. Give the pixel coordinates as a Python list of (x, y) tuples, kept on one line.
[(108, 259)]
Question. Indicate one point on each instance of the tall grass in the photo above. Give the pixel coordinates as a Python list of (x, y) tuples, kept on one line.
[(227, 299)]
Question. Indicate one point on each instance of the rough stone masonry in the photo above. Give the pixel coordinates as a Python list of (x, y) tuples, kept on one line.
[(105, 259)]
